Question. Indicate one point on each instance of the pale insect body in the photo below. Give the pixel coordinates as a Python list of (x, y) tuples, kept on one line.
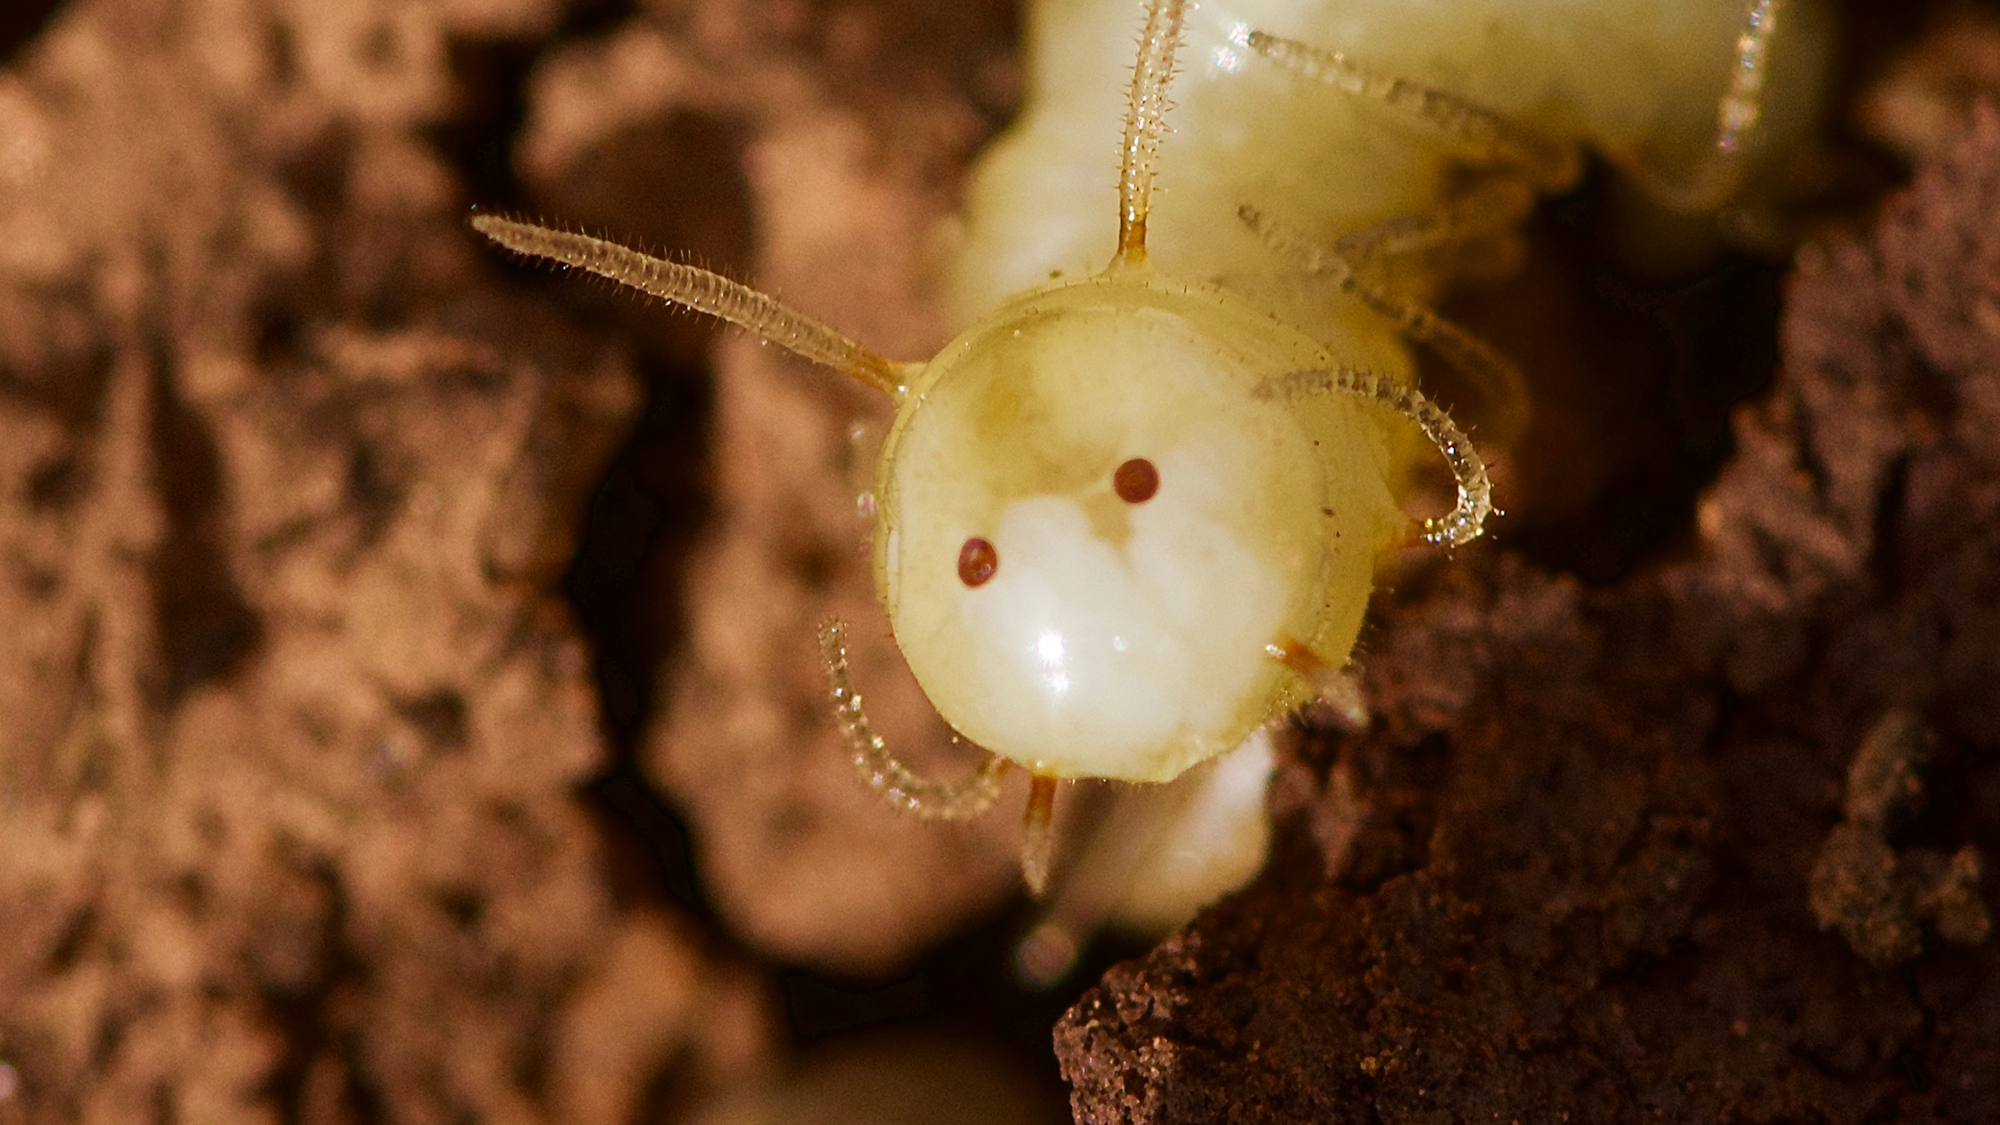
[(1357, 180), (1345, 116), (1128, 517)]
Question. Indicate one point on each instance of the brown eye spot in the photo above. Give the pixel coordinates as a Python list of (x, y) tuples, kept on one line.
[(1136, 481), (977, 561)]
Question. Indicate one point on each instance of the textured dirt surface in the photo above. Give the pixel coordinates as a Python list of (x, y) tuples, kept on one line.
[(302, 807), (1569, 878), (290, 727)]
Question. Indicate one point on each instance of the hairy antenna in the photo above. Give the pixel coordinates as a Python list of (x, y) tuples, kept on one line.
[(1467, 519), (702, 291), (896, 782), (1145, 121)]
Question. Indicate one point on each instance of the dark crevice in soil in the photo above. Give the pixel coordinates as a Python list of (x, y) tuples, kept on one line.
[(624, 586), (1633, 379), (493, 75), (20, 22), (207, 629), (643, 515), (960, 990), (306, 1018), (480, 142)]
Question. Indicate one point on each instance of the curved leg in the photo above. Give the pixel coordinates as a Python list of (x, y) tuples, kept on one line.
[(1493, 137), (1467, 519), (1486, 210), (1484, 134), (896, 782), (1496, 376)]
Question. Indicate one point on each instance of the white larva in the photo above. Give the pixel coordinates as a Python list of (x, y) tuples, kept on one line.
[(1131, 514)]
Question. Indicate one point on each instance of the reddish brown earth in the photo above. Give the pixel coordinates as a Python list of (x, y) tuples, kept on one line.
[(410, 711), (1591, 867)]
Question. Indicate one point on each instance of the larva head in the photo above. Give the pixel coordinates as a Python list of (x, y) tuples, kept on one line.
[(1094, 529)]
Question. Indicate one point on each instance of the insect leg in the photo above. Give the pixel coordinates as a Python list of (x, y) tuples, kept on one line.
[(896, 782), (1737, 115), (1336, 687), (1492, 137), (1118, 842), (1488, 209), (1496, 376), (1486, 135), (1467, 519), (1038, 839)]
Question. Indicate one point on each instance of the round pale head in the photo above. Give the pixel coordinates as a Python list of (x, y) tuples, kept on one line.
[(1095, 529)]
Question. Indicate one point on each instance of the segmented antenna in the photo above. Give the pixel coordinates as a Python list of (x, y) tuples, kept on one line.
[(1467, 519), (1145, 121), (696, 288), (897, 783)]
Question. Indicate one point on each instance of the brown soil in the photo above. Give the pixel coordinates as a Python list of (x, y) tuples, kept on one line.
[(1703, 845)]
